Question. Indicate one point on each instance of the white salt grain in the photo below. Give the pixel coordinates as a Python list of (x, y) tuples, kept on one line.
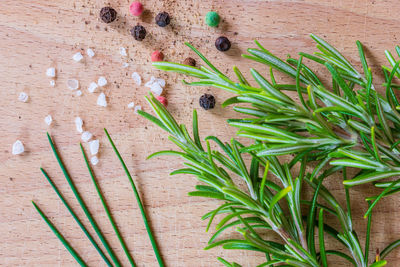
[(101, 100), (86, 136), (77, 57), (136, 78), (156, 89), (94, 146), (78, 93), (92, 87), (79, 124), (102, 81), (48, 120), (90, 52), (160, 81), (151, 82), (125, 65), (23, 97), (51, 72), (137, 108), (52, 83), (73, 84), (17, 148), (122, 52), (94, 160), (131, 105)]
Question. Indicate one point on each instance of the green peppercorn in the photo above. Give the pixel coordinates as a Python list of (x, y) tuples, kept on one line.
[(212, 19)]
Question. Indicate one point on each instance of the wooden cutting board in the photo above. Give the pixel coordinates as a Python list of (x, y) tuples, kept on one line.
[(38, 34)]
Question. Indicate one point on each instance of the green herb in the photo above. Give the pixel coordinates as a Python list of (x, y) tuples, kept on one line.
[(60, 236), (350, 126), (89, 216)]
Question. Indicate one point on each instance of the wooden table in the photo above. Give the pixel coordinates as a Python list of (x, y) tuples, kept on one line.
[(38, 34)]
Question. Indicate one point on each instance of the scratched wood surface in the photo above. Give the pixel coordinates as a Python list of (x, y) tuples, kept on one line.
[(38, 34)]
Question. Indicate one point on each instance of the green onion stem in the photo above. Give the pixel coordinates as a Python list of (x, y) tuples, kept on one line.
[(82, 204), (78, 221), (104, 203), (146, 221), (60, 236)]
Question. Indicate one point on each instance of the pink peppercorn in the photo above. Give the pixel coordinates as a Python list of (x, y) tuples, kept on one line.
[(162, 100), (136, 8), (157, 56)]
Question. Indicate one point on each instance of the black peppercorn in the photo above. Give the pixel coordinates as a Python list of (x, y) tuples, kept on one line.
[(207, 101), (222, 44), (163, 19), (108, 14), (138, 32), (189, 61)]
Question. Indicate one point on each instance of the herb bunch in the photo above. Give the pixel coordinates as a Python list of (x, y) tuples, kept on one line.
[(349, 125)]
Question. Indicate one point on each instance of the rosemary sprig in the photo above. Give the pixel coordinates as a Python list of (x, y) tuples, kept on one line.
[(252, 211), (340, 124), (335, 128)]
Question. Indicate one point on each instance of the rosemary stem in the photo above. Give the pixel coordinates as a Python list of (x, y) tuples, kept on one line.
[(146, 221)]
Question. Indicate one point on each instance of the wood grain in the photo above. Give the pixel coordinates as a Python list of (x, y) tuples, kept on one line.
[(38, 34)]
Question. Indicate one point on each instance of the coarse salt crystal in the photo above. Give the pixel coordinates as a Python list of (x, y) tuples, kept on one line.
[(156, 89), (23, 97), (94, 146), (73, 84), (18, 148), (52, 83), (137, 108), (90, 52), (78, 93), (122, 52), (94, 160), (86, 136), (131, 105), (77, 57), (136, 78), (48, 120), (79, 124), (161, 82), (101, 100), (102, 81), (51, 72), (92, 87), (125, 65), (151, 82)]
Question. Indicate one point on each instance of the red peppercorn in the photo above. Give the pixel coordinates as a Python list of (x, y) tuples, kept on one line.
[(136, 8), (162, 100), (157, 56)]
